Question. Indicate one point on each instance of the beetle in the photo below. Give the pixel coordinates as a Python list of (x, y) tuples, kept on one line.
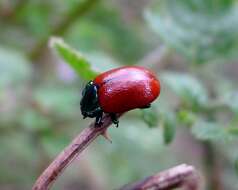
[(117, 91)]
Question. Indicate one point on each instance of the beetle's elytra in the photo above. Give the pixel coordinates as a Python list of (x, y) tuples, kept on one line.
[(117, 91)]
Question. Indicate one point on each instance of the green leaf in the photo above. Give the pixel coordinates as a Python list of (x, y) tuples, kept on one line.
[(188, 88), (186, 117), (204, 30), (211, 131), (150, 117), (169, 128), (74, 58)]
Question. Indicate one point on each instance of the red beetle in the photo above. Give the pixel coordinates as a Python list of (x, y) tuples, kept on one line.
[(117, 91)]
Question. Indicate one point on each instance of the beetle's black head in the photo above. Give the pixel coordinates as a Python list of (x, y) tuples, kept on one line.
[(89, 104)]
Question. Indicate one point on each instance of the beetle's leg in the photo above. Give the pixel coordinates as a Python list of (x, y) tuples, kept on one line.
[(145, 107), (98, 121), (114, 119)]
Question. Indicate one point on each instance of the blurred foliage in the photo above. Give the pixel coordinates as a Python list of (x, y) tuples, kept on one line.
[(169, 129), (106, 29), (204, 130), (202, 30), (11, 74), (39, 99), (150, 116), (187, 88), (231, 100), (236, 166)]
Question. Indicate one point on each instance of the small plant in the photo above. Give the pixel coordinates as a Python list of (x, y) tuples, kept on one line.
[(178, 176)]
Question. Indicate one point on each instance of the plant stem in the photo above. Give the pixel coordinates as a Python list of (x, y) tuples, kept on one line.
[(70, 153), (179, 176), (63, 26), (212, 168)]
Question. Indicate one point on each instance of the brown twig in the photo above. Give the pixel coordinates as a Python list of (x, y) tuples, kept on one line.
[(180, 176), (70, 153)]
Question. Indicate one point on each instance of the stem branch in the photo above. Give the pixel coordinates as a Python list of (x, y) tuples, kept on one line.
[(180, 176), (70, 153)]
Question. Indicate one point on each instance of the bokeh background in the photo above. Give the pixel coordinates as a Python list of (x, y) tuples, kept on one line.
[(192, 46)]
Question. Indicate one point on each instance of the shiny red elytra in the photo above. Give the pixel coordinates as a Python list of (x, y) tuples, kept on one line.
[(119, 90)]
